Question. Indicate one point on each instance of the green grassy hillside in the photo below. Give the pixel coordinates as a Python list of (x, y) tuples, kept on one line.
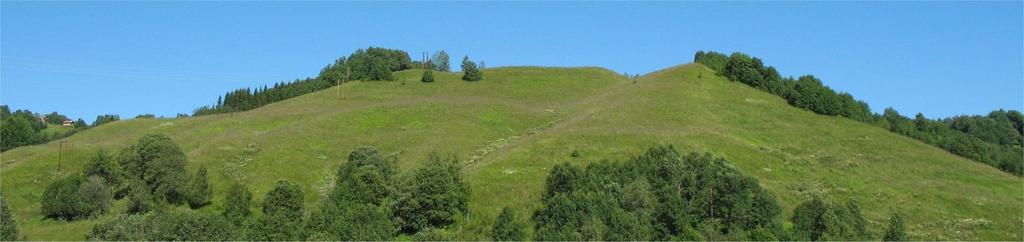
[(510, 128)]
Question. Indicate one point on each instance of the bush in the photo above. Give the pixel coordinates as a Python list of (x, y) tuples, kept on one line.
[(428, 76), (349, 222), (102, 165), (507, 228), (96, 195), (434, 197), (470, 71), (125, 227), (820, 219), (895, 232), (191, 226), (236, 205), (158, 161), (200, 190), (659, 195), (8, 227), (62, 200), (282, 214), (140, 200)]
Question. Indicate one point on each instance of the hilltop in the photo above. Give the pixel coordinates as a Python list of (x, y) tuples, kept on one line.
[(512, 127)]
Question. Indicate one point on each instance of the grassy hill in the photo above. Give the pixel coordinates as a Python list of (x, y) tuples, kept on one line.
[(510, 128)]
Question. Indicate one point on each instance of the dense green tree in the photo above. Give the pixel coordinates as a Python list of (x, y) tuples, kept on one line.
[(191, 226), (140, 198), (200, 190), (8, 227), (820, 219), (434, 196), (658, 195), (61, 199), (106, 118), (158, 161), (124, 227), (470, 71), (508, 228), (237, 203), (714, 60), (282, 214), (14, 132), (895, 231), (102, 165), (96, 195), (353, 221), (428, 76), (80, 124)]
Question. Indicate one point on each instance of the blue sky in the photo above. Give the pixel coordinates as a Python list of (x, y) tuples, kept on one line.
[(85, 59)]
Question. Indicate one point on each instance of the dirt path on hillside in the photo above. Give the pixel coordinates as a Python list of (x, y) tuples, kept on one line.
[(589, 107)]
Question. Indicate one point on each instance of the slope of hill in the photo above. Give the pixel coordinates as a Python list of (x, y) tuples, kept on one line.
[(510, 128)]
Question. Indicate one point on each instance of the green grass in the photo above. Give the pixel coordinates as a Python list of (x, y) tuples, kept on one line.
[(517, 123)]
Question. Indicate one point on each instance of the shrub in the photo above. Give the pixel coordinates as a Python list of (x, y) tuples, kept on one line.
[(282, 214), (507, 228), (191, 226), (359, 221), (895, 232), (200, 190), (8, 227), (658, 195), (158, 161), (125, 227), (434, 196), (96, 195), (236, 205), (820, 219), (62, 200), (428, 76), (470, 71), (102, 165), (140, 200)]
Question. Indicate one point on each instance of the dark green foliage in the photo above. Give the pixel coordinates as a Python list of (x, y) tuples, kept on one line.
[(358, 221), (356, 209), (14, 132), (657, 196), (8, 227), (433, 197), (428, 76), (157, 161), (61, 199), (284, 200), (508, 228), (55, 118), (80, 124), (125, 227), (106, 118), (237, 203), (820, 219), (714, 60), (102, 165), (140, 199), (200, 190), (146, 115), (282, 214), (432, 234), (75, 196), (96, 195), (895, 231), (170, 225), (191, 226), (470, 71)]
